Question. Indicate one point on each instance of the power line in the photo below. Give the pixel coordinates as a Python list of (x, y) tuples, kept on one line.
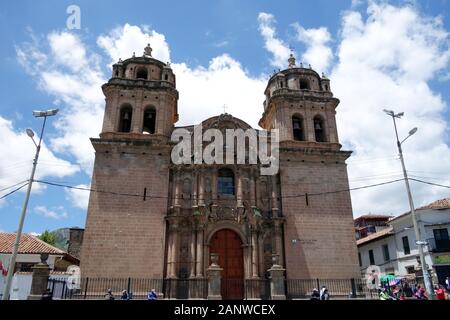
[(430, 183), (14, 185), (182, 198), (15, 190)]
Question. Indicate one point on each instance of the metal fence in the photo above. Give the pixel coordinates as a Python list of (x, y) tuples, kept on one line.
[(340, 288), (137, 288)]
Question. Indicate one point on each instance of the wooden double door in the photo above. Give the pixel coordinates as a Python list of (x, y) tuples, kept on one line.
[(228, 245)]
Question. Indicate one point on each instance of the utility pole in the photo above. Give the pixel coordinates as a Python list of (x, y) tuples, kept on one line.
[(419, 242), (15, 250)]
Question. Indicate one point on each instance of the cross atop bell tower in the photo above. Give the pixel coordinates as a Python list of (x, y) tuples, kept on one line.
[(300, 104)]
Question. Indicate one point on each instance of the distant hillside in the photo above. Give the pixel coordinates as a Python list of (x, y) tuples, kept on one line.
[(62, 238)]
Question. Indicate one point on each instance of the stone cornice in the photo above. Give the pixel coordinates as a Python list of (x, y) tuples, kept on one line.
[(132, 84)]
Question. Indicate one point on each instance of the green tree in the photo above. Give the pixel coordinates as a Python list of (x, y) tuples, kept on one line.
[(48, 237)]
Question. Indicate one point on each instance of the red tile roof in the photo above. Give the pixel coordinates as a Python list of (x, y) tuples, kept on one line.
[(28, 244), (438, 204)]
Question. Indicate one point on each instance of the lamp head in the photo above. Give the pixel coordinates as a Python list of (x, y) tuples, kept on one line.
[(47, 113), (30, 133), (413, 130), (389, 112)]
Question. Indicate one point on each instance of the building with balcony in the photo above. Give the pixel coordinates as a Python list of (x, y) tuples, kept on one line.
[(368, 224), (395, 251)]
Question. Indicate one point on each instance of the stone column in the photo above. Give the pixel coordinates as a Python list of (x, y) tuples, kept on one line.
[(194, 188), (254, 255), (169, 273), (172, 253), (176, 193), (201, 187), (239, 193), (258, 202), (252, 188), (193, 260), (278, 239), (273, 180), (261, 255), (214, 278), (277, 286), (200, 253), (41, 272), (214, 185)]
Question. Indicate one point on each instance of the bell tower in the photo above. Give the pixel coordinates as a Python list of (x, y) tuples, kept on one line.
[(131, 171), (313, 180)]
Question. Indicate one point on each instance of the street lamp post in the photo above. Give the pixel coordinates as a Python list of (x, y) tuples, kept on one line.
[(15, 250), (419, 242)]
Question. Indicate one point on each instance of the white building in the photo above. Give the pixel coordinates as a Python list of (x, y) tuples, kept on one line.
[(394, 249), (30, 250)]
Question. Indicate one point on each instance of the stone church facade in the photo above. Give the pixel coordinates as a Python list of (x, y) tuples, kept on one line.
[(161, 220)]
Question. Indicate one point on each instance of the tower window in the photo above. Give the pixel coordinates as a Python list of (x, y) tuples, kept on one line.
[(149, 121), (142, 73), (225, 181), (125, 119), (166, 77), (297, 128), (304, 84), (319, 129)]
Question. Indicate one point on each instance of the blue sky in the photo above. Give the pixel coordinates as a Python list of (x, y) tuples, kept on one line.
[(231, 46)]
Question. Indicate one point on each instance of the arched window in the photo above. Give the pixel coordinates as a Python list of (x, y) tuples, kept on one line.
[(166, 77), (297, 128), (126, 114), (319, 129), (141, 73), (225, 181), (304, 84), (149, 120)]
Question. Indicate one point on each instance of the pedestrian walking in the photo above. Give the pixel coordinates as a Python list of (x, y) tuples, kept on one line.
[(440, 292), (125, 295), (152, 295), (109, 295), (324, 295), (315, 295)]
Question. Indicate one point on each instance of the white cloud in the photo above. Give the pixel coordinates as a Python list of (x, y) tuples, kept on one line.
[(66, 71), (124, 40), (318, 54), (20, 150), (56, 213), (386, 61), (274, 45), (79, 198), (203, 91)]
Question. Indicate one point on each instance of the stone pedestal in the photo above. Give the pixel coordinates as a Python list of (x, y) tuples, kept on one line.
[(41, 272), (214, 278), (277, 283)]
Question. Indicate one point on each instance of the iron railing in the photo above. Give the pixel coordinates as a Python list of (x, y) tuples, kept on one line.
[(340, 288), (442, 245), (137, 288)]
